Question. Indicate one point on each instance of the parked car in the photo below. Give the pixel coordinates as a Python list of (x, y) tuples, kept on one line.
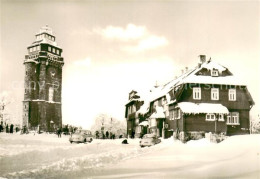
[(81, 136), (149, 140)]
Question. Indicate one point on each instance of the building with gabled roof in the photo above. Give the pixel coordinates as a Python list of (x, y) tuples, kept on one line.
[(206, 99)]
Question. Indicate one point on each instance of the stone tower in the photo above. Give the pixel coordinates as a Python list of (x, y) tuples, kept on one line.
[(43, 83)]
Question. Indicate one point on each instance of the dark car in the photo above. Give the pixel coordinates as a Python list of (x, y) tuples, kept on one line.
[(81, 136), (149, 140)]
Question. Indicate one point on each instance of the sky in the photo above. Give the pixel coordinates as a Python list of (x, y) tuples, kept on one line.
[(112, 47)]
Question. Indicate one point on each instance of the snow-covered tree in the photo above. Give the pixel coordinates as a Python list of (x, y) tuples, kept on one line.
[(5, 100), (105, 123), (255, 125)]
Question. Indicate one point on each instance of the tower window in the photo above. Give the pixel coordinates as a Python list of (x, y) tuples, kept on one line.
[(51, 91)]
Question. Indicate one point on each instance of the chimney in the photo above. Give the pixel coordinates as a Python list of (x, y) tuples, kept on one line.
[(202, 58)]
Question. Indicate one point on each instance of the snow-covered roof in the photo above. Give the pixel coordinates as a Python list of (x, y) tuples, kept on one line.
[(158, 113), (144, 108), (190, 77), (30, 60), (213, 65), (196, 108)]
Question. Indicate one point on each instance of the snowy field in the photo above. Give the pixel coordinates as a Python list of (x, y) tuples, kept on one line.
[(47, 156)]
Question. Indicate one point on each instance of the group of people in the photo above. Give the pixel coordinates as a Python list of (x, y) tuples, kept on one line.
[(106, 135), (7, 129)]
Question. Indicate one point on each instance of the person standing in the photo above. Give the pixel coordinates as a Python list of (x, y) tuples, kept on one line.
[(59, 132), (107, 134), (7, 129), (11, 128)]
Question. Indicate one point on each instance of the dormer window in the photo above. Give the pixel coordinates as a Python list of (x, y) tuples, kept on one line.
[(214, 72)]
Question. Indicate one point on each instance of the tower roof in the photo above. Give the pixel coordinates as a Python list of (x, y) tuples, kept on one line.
[(45, 36)]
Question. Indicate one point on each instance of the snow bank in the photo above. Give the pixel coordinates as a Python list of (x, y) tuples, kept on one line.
[(234, 156)]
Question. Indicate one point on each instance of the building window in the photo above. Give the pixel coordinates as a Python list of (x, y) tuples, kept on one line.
[(53, 50), (51, 91), (232, 94), (26, 73), (210, 117), (38, 48), (24, 106), (214, 94), (214, 72), (171, 116), (221, 117), (58, 51), (25, 91), (177, 113), (197, 93), (49, 49), (233, 118)]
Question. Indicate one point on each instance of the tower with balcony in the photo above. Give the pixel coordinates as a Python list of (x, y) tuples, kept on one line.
[(43, 82)]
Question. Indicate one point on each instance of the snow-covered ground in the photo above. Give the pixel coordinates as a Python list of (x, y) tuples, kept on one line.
[(47, 156)]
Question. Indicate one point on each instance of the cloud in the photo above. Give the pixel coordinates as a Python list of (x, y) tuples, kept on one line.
[(134, 38), (150, 42), (83, 63), (131, 32)]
